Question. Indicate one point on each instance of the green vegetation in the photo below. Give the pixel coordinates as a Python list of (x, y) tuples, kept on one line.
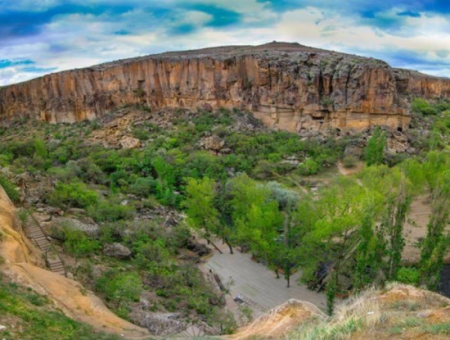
[(422, 107), (374, 153), (252, 196), (9, 188), (34, 317)]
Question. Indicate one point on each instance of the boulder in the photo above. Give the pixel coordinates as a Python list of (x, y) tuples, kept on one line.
[(116, 250), (353, 150), (212, 143), (59, 223), (128, 142)]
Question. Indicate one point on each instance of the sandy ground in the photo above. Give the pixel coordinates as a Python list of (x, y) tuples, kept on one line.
[(257, 285)]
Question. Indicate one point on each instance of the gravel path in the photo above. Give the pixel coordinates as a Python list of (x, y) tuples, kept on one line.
[(257, 285)]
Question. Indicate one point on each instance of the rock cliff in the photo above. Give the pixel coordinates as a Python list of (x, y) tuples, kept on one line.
[(288, 86)]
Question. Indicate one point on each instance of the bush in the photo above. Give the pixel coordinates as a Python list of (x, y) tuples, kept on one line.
[(408, 275), (140, 134), (309, 167), (110, 212), (78, 244), (120, 288), (422, 107), (40, 148), (10, 189), (143, 186), (349, 162), (419, 104), (74, 195)]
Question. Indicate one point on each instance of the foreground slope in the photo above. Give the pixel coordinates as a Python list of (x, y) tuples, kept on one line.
[(19, 265), (287, 85), (397, 312)]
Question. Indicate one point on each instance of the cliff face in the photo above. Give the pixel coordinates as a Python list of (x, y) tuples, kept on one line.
[(288, 86)]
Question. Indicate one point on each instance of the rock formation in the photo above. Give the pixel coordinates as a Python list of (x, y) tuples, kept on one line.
[(288, 86)]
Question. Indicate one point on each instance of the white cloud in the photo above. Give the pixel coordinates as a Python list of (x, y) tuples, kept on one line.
[(80, 40)]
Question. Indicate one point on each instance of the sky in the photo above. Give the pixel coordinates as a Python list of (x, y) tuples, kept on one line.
[(43, 36)]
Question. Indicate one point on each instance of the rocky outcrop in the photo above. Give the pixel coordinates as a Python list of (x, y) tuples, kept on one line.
[(287, 86), (117, 250)]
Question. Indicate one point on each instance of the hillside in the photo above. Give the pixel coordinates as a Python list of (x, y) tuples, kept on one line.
[(287, 85), (396, 312)]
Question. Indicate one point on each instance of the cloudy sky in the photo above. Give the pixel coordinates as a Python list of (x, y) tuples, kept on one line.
[(43, 36)]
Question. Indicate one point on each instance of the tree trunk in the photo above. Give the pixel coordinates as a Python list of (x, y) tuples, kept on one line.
[(211, 243), (229, 246)]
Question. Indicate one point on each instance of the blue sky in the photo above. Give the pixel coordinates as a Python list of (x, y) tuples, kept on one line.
[(38, 37)]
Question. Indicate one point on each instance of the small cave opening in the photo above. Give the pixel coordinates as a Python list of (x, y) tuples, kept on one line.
[(400, 129)]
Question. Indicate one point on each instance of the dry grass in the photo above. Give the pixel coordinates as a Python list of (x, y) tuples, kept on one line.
[(392, 313)]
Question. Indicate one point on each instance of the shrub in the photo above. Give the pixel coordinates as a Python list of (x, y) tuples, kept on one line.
[(349, 162), (9, 188), (110, 212), (78, 244), (120, 288), (140, 134), (5, 159), (143, 186), (309, 167), (408, 275), (422, 107), (40, 148), (419, 104), (73, 194)]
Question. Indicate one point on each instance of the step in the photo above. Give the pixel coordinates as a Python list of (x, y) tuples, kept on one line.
[(54, 265), (53, 260), (37, 236), (35, 233)]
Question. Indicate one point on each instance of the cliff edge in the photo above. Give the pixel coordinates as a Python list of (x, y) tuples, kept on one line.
[(287, 85)]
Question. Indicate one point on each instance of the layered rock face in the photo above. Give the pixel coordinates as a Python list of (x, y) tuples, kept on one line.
[(287, 86)]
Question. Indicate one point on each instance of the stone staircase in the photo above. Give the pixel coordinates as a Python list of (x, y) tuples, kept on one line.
[(34, 232)]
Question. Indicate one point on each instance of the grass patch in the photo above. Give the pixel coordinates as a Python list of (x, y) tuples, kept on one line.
[(37, 319), (442, 328)]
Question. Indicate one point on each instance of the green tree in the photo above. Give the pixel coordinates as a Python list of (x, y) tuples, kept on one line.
[(201, 213), (436, 242), (165, 185), (41, 149), (374, 152)]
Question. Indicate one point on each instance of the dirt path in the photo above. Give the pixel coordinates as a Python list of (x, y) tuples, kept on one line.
[(257, 285)]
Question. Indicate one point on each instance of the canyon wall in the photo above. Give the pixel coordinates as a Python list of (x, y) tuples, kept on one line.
[(287, 86)]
